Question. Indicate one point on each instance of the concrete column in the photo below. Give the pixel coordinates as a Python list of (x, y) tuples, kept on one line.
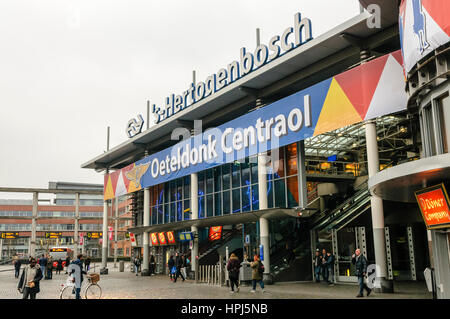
[(263, 222), (301, 169), (33, 225), (1, 248), (104, 269), (145, 239), (115, 230), (77, 226), (376, 202), (441, 256), (194, 215)]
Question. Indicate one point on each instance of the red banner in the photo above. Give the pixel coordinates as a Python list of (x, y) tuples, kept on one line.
[(434, 205), (154, 239), (170, 237), (162, 239)]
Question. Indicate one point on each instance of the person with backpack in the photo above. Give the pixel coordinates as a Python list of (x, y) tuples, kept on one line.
[(233, 266), (257, 273), (137, 264)]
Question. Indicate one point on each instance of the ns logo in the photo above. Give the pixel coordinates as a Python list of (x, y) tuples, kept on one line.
[(134, 126)]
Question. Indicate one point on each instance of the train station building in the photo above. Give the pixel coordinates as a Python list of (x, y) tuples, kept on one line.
[(336, 142)]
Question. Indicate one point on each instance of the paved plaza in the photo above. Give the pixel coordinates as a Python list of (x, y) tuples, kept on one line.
[(126, 285)]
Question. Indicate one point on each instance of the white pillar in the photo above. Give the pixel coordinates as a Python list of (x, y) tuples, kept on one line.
[(115, 229), (263, 222), (377, 210), (194, 215), (33, 225), (105, 238), (145, 239), (77, 226)]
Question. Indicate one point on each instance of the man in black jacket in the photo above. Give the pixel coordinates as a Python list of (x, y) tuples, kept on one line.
[(29, 281), (179, 265), (361, 269)]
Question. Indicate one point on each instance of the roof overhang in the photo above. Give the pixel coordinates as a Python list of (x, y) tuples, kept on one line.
[(231, 219), (319, 59), (399, 183)]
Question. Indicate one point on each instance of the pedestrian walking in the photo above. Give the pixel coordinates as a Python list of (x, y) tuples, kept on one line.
[(59, 266), (49, 268), (29, 281), (324, 270), (257, 273), (172, 268), (317, 262), (137, 264), (67, 263), (178, 265), (330, 267), (87, 264), (17, 264), (152, 265), (77, 274), (233, 266), (360, 262), (43, 263)]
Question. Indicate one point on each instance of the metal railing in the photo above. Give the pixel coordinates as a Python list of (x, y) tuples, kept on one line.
[(211, 275)]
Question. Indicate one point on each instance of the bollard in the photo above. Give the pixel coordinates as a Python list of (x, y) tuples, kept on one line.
[(121, 266)]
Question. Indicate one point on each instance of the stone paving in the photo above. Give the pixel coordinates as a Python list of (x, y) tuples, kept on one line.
[(126, 285)]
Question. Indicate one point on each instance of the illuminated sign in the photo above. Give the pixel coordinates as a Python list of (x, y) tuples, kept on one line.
[(215, 233), (91, 235), (185, 236), (10, 235), (162, 239), (170, 237), (434, 205), (53, 235), (58, 250), (154, 239), (315, 110), (291, 38)]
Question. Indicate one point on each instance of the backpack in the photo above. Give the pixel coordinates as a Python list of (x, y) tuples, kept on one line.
[(261, 268)]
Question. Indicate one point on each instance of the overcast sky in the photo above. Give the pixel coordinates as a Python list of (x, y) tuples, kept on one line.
[(69, 69)]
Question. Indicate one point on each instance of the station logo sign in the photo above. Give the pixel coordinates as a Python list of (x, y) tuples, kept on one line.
[(434, 206), (185, 236), (134, 126), (291, 38)]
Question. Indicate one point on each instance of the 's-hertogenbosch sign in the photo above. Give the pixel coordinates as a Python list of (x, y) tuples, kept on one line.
[(291, 38)]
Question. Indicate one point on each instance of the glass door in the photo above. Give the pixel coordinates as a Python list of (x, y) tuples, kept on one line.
[(346, 243)]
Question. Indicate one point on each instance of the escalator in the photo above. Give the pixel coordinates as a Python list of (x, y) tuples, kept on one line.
[(350, 209), (209, 251)]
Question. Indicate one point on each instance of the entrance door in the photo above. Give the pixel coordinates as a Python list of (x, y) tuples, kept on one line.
[(346, 243)]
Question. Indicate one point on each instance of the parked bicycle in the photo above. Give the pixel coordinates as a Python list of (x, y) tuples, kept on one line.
[(89, 288)]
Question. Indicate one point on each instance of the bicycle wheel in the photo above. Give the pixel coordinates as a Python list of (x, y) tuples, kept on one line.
[(68, 292), (93, 291)]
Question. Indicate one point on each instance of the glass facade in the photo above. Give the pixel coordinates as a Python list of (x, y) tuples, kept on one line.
[(228, 189)]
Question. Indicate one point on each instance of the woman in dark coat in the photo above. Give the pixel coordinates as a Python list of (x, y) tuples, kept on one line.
[(233, 266), (59, 266)]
